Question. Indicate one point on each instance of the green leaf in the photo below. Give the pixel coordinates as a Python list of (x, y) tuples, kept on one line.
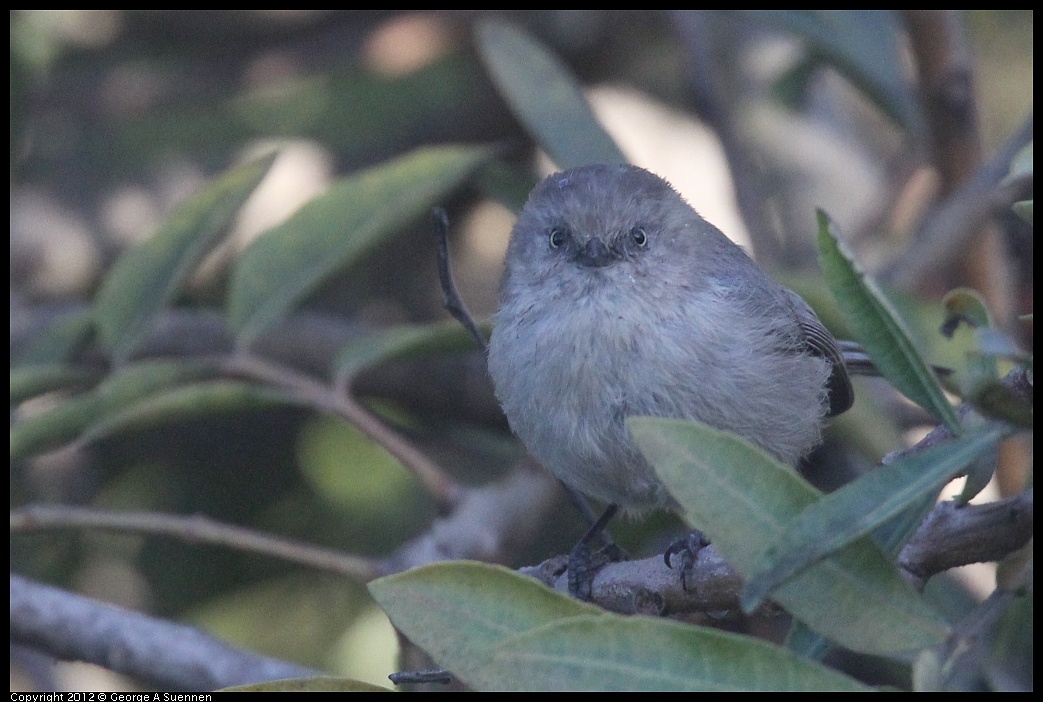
[(147, 277), (856, 509), (66, 422), (335, 230), (459, 611), (30, 381), (60, 341), (863, 45), (964, 306), (544, 96), (967, 306), (893, 535), (184, 402), (352, 110), (507, 184), (879, 328), (744, 499), (401, 343), (1020, 167), (1021, 164), (498, 630), (640, 654), (1023, 209), (979, 473), (806, 642)]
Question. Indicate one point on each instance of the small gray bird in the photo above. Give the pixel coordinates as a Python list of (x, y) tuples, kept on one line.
[(619, 300)]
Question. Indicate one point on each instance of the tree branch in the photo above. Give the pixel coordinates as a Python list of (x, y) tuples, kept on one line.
[(169, 656), (192, 529), (318, 395), (943, 236), (956, 534)]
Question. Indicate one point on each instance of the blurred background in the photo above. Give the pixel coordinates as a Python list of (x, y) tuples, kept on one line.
[(117, 116)]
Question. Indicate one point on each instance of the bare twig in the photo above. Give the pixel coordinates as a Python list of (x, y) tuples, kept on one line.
[(955, 535), (194, 528), (945, 233), (648, 586), (946, 79), (951, 536), (453, 302), (939, 41), (455, 386), (700, 32), (169, 656), (320, 396)]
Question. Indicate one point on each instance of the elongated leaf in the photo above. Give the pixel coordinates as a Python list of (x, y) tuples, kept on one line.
[(639, 654), (60, 341), (1020, 167), (878, 327), (69, 420), (1023, 209), (498, 630), (893, 535), (30, 381), (184, 402), (865, 46), (805, 642), (1021, 164), (506, 183), (458, 611), (335, 230), (146, 277), (744, 499), (842, 517), (544, 96), (403, 342)]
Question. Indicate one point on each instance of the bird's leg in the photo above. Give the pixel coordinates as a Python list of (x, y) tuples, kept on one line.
[(585, 561)]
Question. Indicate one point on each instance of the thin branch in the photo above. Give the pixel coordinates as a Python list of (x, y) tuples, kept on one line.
[(308, 341), (945, 233), (316, 394), (192, 529), (452, 300), (166, 655), (648, 586), (702, 33), (951, 536), (945, 68)]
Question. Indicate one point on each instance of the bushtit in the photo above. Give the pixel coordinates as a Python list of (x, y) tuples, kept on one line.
[(620, 300)]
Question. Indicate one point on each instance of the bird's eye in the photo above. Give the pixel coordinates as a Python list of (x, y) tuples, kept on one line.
[(557, 236), (639, 236)]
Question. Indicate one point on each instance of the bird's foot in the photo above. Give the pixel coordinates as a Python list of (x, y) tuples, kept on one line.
[(688, 549)]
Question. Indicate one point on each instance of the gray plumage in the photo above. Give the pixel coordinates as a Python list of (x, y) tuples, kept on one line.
[(620, 300)]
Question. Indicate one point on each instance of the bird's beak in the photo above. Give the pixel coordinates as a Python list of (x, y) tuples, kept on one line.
[(595, 254)]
